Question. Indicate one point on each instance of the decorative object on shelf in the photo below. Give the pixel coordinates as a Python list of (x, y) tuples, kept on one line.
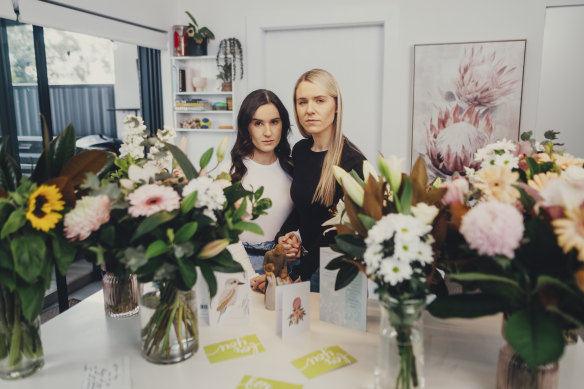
[(229, 59), (197, 38), (191, 123), (179, 33), (120, 295), (467, 94), (385, 229), (161, 304), (219, 106), (199, 83), (229, 102), (511, 236), (205, 123), (31, 245)]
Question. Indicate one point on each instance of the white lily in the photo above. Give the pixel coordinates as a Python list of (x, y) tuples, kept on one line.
[(391, 169), (369, 170)]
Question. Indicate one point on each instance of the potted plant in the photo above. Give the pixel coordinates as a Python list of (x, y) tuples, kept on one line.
[(197, 38), (229, 62)]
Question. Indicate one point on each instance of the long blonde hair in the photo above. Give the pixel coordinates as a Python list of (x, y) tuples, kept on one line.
[(325, 190)]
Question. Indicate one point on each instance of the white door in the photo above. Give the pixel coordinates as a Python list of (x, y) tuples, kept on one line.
[(354, 54)]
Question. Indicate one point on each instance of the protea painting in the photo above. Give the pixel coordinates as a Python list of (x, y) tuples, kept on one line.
[(465, 96)]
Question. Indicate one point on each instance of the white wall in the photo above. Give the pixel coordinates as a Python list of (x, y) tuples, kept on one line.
[(420, 21)]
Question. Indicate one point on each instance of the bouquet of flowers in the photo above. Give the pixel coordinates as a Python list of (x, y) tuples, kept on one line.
[(388, 236), (162, 226), (512, 235), (32, 242)]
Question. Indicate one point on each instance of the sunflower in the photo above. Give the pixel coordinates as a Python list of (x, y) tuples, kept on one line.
[(570, 232), (41, 206), (497, 184)]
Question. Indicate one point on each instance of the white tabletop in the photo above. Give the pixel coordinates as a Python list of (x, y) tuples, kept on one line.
[(458, 353)]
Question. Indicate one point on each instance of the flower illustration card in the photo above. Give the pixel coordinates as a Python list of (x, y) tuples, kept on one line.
[(292, 309), (249, 382), (323, 361), (234, 348), (230, 305), (346, 307)]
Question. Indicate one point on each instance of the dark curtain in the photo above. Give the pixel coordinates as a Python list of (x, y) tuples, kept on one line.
[(150, 87), (7, 115)]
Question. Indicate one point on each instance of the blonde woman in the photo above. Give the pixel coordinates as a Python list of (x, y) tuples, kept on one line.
[(318, 110)]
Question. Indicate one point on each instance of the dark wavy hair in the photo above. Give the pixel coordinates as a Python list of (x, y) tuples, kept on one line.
[(244, 147)]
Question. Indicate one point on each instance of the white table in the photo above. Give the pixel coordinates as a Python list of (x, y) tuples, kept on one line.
[(458, 353)]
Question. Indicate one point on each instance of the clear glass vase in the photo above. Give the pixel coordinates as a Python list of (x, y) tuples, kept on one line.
[(21, 350), (513, 373), (168, 322), (400, 358), (120, 295)]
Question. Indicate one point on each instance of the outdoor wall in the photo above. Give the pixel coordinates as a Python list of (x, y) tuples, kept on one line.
[(420, 21)]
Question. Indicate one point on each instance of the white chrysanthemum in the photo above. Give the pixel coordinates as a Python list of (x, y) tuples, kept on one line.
[(426, 213), (88, 215), (372, 257), (209, 195), (498, 154), (393, 271)]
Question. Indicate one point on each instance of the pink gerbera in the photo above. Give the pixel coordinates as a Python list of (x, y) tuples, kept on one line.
[(88, 215), (152, 198), (493, 228)]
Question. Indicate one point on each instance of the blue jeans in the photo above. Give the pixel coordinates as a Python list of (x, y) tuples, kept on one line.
[(257, 260)]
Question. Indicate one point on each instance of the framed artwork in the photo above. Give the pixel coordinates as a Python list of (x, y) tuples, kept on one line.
[(466, 95)]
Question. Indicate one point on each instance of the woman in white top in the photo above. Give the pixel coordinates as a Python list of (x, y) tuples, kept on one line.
[(261, 157)]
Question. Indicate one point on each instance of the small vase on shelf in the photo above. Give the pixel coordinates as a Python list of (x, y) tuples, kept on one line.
[(120, 295), (21, 350), (168, 322), (400, 359)]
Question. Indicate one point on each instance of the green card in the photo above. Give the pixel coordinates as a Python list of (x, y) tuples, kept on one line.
[(322, 361), (234, 348), (249, 382)]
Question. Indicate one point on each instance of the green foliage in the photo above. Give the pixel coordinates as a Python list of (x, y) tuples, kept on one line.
[(229, 55), (198, 34)]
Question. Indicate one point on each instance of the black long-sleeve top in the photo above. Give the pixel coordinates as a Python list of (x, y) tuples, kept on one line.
[(306, 215)]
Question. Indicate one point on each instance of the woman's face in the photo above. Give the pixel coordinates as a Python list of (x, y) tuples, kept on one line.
[(265, 129), (315, 108)]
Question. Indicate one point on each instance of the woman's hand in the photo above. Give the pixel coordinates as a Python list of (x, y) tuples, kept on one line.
[(258, 283), (292, 246)]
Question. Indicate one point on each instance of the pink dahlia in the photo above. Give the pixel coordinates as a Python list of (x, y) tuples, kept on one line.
[(493, 228), (455, 136), (152, 198), (484, 80), (90, 213)]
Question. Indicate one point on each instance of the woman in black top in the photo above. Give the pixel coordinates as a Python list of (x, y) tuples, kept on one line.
[(318, 111)]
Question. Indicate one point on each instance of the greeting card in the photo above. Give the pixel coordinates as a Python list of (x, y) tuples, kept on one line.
[(249, 382), (230, 305), (292, 309), (233, 348), (346, 307), (323, 361)]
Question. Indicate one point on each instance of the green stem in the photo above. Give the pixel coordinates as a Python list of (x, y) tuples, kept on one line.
[(15, 341)]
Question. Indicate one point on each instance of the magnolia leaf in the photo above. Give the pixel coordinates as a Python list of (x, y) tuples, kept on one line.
[(346, 275), (343, 229), (65, 186), (353, 211), (419, 180), (373, 199), (367, 221), (351, 244), (151, 222), (63, 147), (440, 230), (185, 233), (183, 161), (535, 336), (335, 263), (546, 280), (433, 196), (466, 306), (188, 272), (457, 212), (89, 161)]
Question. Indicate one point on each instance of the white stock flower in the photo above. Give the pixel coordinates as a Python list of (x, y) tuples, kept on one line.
[(210, 195), (145, 173)]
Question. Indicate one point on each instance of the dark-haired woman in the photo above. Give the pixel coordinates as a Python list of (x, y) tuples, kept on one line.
[(261, 157)]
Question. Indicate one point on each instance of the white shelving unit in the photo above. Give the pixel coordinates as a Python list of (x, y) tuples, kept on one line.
[(203, 66)]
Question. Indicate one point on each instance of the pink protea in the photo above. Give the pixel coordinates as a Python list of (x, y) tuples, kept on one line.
[(483, 79), (149, 199), (455, 136), (90, 213), (493, 228)]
